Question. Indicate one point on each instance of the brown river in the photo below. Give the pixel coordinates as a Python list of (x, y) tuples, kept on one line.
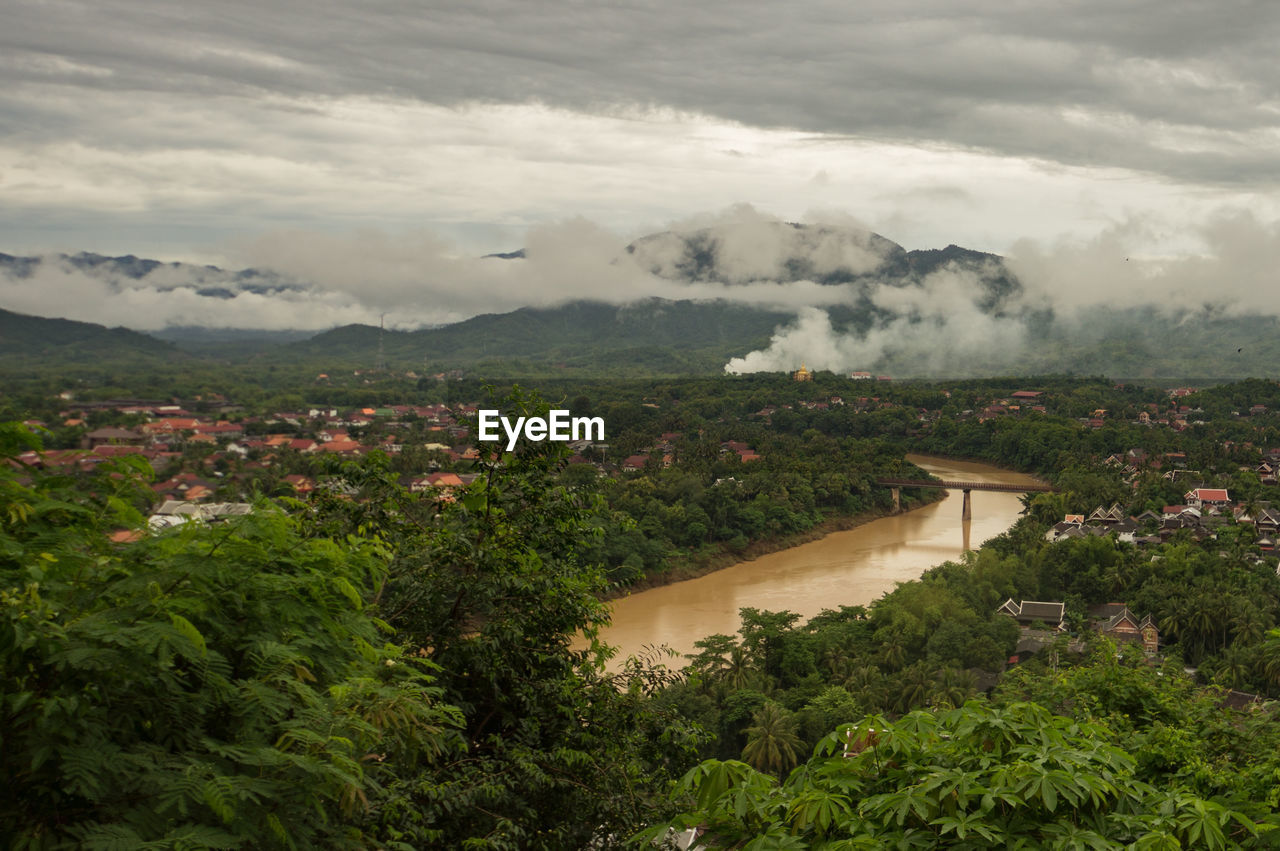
[(847, 568)]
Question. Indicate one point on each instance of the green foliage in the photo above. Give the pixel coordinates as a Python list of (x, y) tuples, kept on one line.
[(208, 687), (771, 740), (1179, 732), (32, 339), (498, 589), (978, 776)]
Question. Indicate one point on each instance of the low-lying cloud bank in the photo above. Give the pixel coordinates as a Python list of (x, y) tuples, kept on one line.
[(1073, 290), (301, 279), (940, 322)]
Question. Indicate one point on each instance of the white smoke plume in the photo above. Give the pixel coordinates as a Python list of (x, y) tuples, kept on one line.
[(1220, 268), (936, 328), (938, 325)]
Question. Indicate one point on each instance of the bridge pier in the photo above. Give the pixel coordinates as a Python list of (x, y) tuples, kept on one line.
[(966, 511)]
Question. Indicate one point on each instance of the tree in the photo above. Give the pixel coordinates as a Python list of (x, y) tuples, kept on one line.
[(771, 740), (498, 589), (980, 776), (204, 687)]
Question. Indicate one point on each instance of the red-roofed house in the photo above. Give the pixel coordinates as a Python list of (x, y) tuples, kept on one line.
[(108, 451), (187, 486), (342, 447), (302, 485), (445, 482), (195, 493), (170, 425), (1203, 498), (222, 429), (51, 459)]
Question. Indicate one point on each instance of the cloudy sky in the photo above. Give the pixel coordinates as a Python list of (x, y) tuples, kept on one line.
[(234, 132)]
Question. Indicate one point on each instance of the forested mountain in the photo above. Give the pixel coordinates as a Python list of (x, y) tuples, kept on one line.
[(653, 335), (24, 338), (925, 313)]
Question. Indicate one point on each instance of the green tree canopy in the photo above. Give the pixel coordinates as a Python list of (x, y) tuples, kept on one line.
[(978, 776), (202, 687)]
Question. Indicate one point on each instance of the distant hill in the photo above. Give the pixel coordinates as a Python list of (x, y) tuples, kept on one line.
[(227, 342), (667, 336), (999, 331), (35, 337)]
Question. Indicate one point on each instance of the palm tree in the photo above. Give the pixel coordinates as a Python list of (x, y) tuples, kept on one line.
[(737, 672), (894, 653), (836, 662), (1201, 624), (1118, 578), (915, 687), (867, 682), (1269, 659), (772, 740), (1236, 665), (1173, 625), (954, 687), (1246, 626), (1048, 508)]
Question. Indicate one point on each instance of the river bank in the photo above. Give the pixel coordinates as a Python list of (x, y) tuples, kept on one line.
[(850, 567), (683, 571), (702, 565)]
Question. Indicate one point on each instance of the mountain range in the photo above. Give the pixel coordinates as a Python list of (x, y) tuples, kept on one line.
[(905, 313)]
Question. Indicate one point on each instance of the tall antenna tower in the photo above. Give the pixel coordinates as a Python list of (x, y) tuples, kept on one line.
[(382, 360)]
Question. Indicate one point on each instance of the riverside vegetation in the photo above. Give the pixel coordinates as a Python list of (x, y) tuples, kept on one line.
[(375, 669)]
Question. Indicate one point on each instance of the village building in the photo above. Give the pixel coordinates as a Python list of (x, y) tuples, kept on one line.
[(634, 462), (111, 437), (1030, 613), (1207, 499), (1039, 624), (302, 485), (1117, 622), (1107, 516)]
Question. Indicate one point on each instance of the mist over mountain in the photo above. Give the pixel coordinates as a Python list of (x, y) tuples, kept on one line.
[(738, 292)]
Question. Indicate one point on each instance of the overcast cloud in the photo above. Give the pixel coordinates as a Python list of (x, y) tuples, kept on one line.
[(313, 134), (1183, 89)]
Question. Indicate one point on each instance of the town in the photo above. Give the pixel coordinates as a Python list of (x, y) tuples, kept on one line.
[(1139, 582)]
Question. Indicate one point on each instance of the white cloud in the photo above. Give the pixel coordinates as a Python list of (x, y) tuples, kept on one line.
[(938, 329), (129, 128)]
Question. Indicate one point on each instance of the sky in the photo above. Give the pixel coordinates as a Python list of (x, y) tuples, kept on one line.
[(244, 133)]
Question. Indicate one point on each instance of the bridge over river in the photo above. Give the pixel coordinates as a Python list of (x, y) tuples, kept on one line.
[(848, 568), (966, 510)]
